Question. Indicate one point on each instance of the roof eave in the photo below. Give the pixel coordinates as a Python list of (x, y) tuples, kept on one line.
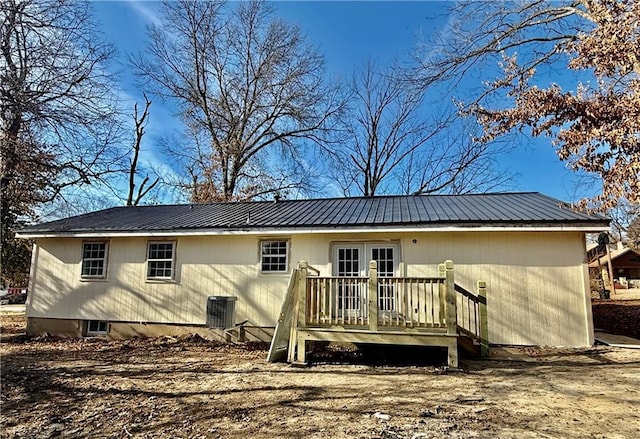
[(586, 227)]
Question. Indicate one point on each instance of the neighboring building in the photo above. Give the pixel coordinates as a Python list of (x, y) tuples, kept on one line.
[(147, 270), (625, 264)]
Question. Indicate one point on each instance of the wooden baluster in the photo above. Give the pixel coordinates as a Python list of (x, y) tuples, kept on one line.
[(319, 298), (435, 292), (441, 293), (342, 304), (396, 300), (468, 301), (329, 293), (412, 303), (333, 291)]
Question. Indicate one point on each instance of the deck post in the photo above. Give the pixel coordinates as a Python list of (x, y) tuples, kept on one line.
[(373, 295), (451, 314), (484, 323), (452, 355), (302, 351), (302, 294), (450, 299)]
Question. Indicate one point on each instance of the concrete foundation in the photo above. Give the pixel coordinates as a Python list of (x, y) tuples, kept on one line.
[(123, 330), (57, 327)]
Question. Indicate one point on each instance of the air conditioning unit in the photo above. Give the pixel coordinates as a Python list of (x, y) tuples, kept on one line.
[(221, 311)]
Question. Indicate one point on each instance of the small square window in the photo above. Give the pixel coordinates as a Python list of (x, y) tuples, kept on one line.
[(274, 256), (94, 260), (160, 260), (97, 327)]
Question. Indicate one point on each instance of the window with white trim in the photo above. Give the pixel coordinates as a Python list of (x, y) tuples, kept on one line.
[(161, 260), (97, 327), (94, 260), (274, 257)]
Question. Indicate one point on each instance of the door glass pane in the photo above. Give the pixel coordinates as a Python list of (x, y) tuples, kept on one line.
[(348, 262), (385, 261)]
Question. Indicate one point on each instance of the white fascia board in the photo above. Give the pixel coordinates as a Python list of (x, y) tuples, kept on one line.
[(323, 230)]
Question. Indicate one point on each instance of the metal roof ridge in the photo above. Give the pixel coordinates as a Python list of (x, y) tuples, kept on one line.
[(361, 197)]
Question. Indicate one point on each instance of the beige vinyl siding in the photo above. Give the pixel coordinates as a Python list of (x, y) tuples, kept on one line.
[(205, 266), (536, 280)]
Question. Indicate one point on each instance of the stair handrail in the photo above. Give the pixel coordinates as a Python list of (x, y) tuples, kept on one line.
[(481, 328)]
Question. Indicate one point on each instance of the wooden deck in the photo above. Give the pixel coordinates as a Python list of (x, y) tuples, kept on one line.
[(417, 311)]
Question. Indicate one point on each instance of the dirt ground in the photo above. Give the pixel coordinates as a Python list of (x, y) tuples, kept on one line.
[(190, 388)]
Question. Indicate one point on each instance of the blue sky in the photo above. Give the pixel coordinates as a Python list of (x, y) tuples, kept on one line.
[(347, 33)]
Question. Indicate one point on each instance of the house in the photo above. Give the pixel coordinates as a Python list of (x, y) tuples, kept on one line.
[(150, 270), (625, 265)]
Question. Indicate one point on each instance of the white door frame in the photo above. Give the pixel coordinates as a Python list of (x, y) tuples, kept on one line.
[(365, 248)]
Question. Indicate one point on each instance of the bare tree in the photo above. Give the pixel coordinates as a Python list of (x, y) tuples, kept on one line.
[(396, 140), (251, 93), (456, 162), (478, 35), (383, 128), (622, 218), (594, 125), (133, 197), (57, 111)]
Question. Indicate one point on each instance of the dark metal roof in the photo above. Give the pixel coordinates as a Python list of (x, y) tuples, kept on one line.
[(522, 209)]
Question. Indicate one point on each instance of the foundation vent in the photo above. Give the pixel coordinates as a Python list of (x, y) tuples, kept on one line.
[(221, 311)]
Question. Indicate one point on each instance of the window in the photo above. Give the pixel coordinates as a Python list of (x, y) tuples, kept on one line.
[(94, 260), (160, 260), (273, 256), (97, 327)]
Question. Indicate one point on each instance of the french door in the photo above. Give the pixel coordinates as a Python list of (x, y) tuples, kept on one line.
[(387, 267), (352, 260)]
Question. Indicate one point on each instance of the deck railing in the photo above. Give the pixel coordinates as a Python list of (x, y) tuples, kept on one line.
[(401, 301), (468, 312), (398, 310), (336, 300), (379, 302), (417, 302)]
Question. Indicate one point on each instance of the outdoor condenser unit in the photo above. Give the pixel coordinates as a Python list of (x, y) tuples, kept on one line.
[(221, 311)]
